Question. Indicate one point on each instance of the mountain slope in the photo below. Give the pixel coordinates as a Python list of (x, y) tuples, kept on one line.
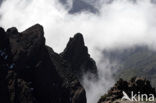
[(136, 61)]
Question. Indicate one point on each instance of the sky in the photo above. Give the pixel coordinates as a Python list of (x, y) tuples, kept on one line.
[(119, 24)]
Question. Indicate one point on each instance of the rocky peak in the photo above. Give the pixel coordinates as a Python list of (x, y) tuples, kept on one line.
[(36, 29), (12, 31), (76, 53), (31, 72), (27, 43), (75, 46)]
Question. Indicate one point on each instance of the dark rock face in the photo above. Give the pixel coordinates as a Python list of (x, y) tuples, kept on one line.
[(31, 72), (76, 53), (136, 84), (19, 90), (4, 61), (70, 82)]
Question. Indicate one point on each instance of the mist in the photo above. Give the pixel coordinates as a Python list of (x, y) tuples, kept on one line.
[(119, 24), (96, 88)]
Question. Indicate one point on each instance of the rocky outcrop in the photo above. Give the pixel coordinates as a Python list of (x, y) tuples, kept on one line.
[(31, 72), (136, 84), (76, 53)]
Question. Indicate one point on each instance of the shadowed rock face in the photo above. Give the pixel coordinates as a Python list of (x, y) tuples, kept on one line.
[(76, 53), (31, 72), (4, 42)]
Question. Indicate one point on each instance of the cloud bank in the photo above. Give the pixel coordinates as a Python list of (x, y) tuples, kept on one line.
[(119, 24)]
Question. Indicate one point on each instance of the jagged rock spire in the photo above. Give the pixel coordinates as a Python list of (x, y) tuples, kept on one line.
[(77, 54)]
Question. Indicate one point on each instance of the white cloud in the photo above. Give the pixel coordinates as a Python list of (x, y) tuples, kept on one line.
[(96, 88)]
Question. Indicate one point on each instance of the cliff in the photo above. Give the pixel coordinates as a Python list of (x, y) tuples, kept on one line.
[(31, 72)]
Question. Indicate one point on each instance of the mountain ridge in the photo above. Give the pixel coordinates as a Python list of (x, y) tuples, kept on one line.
[(31, 72)]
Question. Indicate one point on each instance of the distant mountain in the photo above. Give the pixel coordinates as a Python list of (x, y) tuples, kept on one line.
[(79, 6), (1, 2), (136, 61)]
